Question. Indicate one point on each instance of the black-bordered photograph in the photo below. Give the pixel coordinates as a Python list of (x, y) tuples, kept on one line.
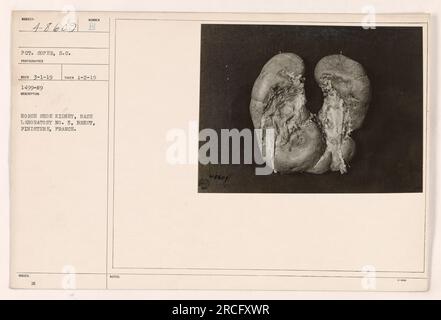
[(310, 109)]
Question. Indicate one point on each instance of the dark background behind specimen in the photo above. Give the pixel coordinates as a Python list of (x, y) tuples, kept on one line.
[(389, 156)]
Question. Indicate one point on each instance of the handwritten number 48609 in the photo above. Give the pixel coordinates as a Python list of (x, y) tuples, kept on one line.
[(51, 27)]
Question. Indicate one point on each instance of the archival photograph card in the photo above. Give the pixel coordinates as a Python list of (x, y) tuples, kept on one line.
[(219, 151)]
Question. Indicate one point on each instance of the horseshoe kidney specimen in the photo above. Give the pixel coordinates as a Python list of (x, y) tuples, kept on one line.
[(305, 142)]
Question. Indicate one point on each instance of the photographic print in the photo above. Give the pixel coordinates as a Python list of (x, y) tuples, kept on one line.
[(310, 109)]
